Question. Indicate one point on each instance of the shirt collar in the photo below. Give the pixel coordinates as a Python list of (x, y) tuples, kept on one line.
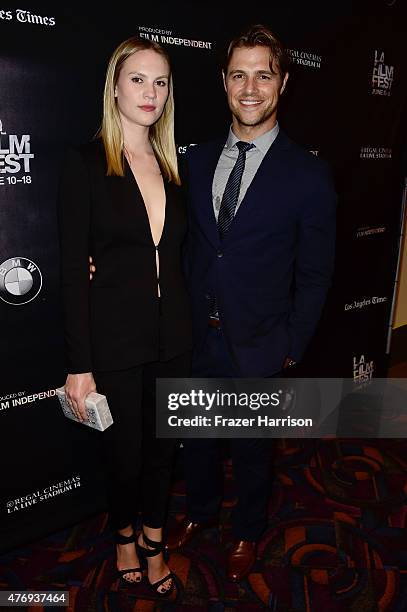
[(263, 142)]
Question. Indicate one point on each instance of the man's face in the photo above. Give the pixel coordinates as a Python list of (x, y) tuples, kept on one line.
[(253, 89)]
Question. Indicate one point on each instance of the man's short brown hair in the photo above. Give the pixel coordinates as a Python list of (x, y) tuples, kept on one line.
[(260, 35)]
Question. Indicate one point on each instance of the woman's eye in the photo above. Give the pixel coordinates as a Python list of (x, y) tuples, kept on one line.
[(136, 79), (161, 83)]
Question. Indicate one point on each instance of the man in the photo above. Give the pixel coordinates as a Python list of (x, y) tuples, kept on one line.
[(259, 257)]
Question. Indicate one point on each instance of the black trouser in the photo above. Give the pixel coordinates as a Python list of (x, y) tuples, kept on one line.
[(138, 465), (250, 458)]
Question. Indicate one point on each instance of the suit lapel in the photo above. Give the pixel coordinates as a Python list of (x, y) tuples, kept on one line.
[(126, 203)]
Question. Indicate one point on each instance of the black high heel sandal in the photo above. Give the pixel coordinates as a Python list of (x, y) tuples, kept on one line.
[(156, 549), (122, 539)]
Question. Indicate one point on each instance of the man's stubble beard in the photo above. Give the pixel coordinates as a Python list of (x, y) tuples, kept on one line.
[(265, 116)]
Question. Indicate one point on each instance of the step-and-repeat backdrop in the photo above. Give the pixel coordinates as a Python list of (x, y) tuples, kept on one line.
[(346, 103)]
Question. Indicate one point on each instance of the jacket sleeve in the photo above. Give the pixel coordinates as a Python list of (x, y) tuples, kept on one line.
[(314, 260), (74, 222)]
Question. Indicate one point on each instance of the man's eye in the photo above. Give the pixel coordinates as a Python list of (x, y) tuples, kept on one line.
[(237, 76), (265, 77)]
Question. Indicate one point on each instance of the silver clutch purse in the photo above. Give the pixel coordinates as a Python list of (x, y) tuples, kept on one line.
[(97, 410)]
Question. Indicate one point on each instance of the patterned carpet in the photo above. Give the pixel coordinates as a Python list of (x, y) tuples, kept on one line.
[(336, 542)]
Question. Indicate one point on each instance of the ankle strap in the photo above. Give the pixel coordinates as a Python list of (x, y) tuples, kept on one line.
[(122, 539), (153, 543)]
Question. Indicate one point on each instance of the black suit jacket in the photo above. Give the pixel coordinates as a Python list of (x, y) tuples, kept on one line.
[(272, 270), (113, 322)]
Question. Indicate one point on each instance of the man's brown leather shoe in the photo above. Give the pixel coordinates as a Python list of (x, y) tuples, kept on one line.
[(241, 560), (183, 533)]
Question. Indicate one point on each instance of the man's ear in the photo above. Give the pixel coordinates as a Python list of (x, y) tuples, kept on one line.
[(284, 82), (224, 79)]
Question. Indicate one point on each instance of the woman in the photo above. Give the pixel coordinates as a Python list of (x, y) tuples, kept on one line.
[(120, 203)]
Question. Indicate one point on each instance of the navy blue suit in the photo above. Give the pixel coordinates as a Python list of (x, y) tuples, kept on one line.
[(270, 275)]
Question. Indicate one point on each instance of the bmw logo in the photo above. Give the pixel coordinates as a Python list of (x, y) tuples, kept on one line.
[(20, 281)]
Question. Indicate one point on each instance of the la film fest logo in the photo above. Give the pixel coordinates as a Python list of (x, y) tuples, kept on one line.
[(15, 158), (20, 281), (375, 153), (382, 77), (26, 17), (362, 369), (167, 37), (305, 58)]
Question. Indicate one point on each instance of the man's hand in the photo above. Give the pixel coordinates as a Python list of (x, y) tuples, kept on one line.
[(92, 268), (77, 388), (289, 363)]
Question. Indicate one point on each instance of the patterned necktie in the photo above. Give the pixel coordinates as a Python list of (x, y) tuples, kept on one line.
[(231, 194)]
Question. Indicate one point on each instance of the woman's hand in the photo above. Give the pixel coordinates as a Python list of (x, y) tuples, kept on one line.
[(92, 268), (77, 388)]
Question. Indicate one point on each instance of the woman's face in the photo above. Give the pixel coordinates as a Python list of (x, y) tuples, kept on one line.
[(142, 88)]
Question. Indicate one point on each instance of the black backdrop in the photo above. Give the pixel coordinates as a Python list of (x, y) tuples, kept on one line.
[(346, 102)]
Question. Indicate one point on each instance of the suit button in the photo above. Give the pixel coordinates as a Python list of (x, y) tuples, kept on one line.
[(219, 253)]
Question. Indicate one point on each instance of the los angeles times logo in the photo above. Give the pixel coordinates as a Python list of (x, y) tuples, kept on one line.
[(20, 281)]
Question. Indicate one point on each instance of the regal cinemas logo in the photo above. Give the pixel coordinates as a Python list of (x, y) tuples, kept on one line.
[(375, 153), (167, 37), (362, 369), (305, 58), (382, 77)]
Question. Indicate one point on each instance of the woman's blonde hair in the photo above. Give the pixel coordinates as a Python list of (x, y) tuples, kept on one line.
[(161, 133)]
